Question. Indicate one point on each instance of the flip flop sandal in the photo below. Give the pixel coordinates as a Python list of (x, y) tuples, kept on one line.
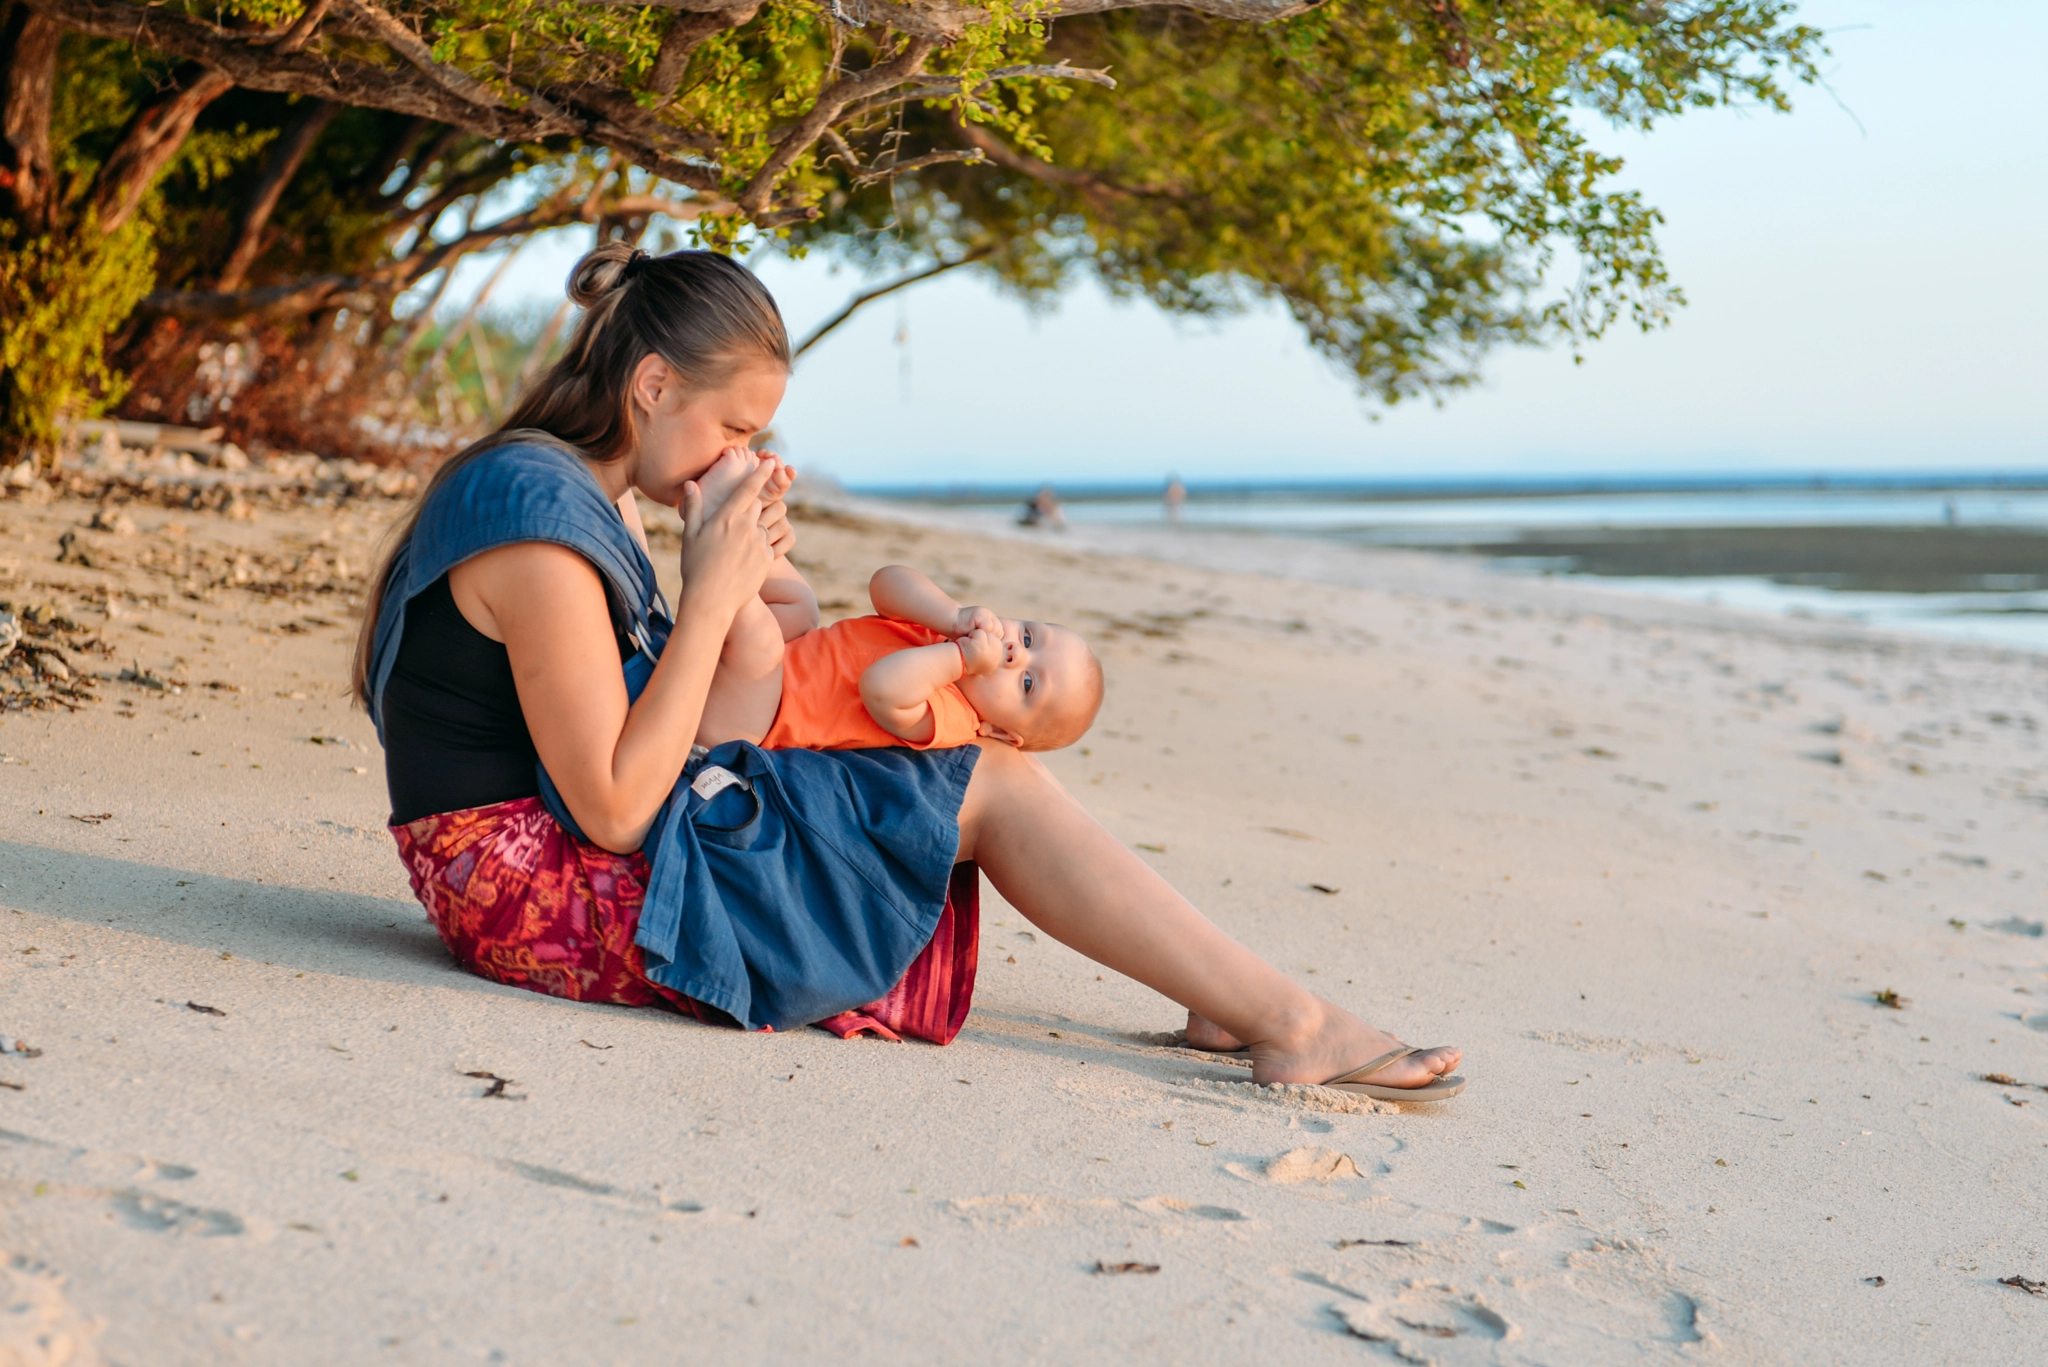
[(1443, 1089)]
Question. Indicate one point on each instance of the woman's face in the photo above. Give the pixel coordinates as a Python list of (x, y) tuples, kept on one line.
[(681, 430)]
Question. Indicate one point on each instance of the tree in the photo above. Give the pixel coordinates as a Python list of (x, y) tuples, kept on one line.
[(1401, 175)]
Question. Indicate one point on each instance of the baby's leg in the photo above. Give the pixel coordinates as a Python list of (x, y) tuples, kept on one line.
[(789, 596), (746, 692)]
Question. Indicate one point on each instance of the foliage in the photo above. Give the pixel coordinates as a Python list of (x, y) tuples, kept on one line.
[(61, 294), (1403, 185), (1415, 181)]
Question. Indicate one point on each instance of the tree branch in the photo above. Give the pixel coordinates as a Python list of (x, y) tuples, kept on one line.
[(972, 156), (371, 22), (1010, 159), (682, 209), (834, 99), (302, 29), (254, 66), (929, 86), (293, 62), (685, 32), (476, 304), (866, 297), (152, 137), (945, 20), (296, 299), (416, 159), (286, 156), (842, 149)]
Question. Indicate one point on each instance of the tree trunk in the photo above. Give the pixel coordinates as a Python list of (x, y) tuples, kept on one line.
[(28, 69), (285, 158), (149, 142)]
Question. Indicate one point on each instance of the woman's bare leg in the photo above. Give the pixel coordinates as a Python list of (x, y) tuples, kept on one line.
[(1076, 882), (1204, 1033)]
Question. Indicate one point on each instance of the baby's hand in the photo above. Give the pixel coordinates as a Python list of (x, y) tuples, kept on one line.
[(981, 651), (977, 619)]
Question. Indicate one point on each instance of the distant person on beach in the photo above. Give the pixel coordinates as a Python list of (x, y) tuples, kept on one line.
[(538, 704), (1176, 497), (1044, 510), (923, 671)]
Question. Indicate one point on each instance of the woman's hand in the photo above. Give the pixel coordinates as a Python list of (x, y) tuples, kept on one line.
[(726, 548)]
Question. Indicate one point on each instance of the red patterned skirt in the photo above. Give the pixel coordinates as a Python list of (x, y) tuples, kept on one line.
[(520, 901)]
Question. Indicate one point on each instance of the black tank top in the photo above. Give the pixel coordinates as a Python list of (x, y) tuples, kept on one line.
[(454, 734)]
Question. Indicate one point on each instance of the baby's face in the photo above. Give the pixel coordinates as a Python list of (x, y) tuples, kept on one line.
[(1047, 672)]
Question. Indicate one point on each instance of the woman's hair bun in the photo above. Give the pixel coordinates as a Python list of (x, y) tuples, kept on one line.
[(601, 273)]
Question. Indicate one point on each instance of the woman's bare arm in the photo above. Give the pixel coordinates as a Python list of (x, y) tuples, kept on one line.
[(615, 764)]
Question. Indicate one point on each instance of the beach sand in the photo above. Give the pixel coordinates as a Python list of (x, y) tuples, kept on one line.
[(1647, 862)]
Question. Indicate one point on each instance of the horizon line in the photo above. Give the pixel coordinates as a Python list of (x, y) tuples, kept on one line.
[(1405, 488)]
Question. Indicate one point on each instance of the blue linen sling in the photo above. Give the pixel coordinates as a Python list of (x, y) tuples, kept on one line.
[(784, 886)]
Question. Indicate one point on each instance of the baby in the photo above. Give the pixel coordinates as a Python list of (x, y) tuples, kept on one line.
[(924, 672)]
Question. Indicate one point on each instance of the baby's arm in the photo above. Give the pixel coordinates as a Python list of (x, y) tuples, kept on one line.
[(789, 596), (897, 689), (902, 593)]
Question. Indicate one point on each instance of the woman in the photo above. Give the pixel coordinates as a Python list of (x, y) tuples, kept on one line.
[(495, 636)]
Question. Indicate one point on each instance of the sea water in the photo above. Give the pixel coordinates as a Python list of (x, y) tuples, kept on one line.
[(2006, 604)]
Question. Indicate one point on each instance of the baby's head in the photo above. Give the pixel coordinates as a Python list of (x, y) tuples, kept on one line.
[(1045, 694)]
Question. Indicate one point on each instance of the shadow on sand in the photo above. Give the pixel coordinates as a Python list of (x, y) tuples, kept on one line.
[(319, 931)]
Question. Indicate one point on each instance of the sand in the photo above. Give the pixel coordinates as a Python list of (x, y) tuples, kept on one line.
[(1647, 862)]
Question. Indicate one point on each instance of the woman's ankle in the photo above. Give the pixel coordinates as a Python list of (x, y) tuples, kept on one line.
[(1291, 1027)]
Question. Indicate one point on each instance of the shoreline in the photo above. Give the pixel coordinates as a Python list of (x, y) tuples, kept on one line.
[(1332, 561)]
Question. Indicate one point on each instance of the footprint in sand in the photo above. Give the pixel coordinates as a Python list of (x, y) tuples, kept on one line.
[(160, 1214), (39, 1327), (1322, 1166), (2014, 925), (1418, 1323), (91, 1173), (1495, 1294)]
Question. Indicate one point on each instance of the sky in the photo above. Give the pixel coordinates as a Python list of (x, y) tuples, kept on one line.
[(1867, 291)]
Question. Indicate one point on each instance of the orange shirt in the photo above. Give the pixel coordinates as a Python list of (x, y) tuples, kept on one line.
[(821, 706)]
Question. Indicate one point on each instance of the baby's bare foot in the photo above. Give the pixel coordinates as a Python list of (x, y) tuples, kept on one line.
[(1204, 1033), (733, 465)]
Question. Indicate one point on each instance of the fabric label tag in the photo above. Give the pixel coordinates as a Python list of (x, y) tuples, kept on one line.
[(713, 780)]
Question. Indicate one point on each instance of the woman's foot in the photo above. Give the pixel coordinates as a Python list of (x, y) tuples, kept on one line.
[(1204, 1033), (1328, 1042)]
